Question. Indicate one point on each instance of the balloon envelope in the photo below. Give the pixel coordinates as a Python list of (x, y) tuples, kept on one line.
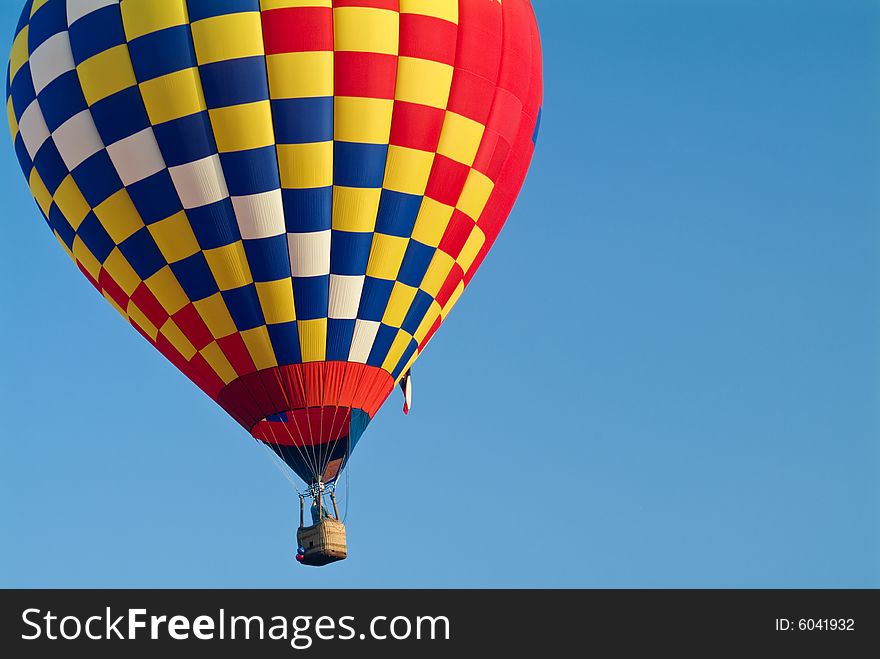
[(285, 198)]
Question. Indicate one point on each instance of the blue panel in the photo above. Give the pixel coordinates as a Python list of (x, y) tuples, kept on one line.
[(268, 258), (303, 120), (187, 139), (285, 341), (375, 298), (308, 210), (199, 9), (350, 252), (142, 253), (384, 338), (415, 263), (48, 20), (311, 295), (214, 224), (244, 307), (404, 360), (251, 172), (159, 53), (121, 115), (50, 166), (339, 337), (359, 165), (96, 32), (97, 178), (398, 213), (22, 90), (155, 197), (95, 237), (417, 312), (234, 82), (195, 277), (60, 224), (61, 99), (537, 127)]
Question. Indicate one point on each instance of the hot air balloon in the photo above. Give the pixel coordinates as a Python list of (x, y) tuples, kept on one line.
[(286, 198)]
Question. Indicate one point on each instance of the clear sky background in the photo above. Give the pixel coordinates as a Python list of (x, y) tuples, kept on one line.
[(666, 374)]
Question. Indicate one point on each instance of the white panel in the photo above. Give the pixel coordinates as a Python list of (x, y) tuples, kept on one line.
[(260, 215), (77, 139), (52, 59), (309, 253), (345, 296), (199, 183), (76, 9), (33, 129), (362, 343), (136, 157)]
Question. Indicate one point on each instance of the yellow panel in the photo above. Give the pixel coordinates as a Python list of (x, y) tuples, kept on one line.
[(175, 238), (140, 319), (471, 248), (114, 304), (119, 216), (71, 202), (276, 299), (229, 266), (445, 9), (260, 347), (40, 191), (19, 54), (456, 296), (355, 209), (423, 81), (438, 271), (178, 339), (85, 258), (313, 339), (408, 170), (266, 5), (428, 322), (10, 116), (477, 190), (366, 120), (121, 272), (399, 303), (386, 256), (173, 96), (36, 5), (365, 29), (228, 36), (241, 127), (306, 165), (106, 73), (165, 287), (215, 357), (142, 17), (216, 316), (395, 352), (460, 139), (431, 222), (300, 75)]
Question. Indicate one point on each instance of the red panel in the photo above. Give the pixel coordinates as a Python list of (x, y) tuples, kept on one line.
[(457, 234), (447, 180), (368, 75), (297, 29), (193, 327), (111, 288), (428, 38), (236, 352), (416, 126), (378, 4), (145, 300)]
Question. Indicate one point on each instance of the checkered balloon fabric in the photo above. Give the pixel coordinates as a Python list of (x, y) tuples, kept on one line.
[(285, 197)]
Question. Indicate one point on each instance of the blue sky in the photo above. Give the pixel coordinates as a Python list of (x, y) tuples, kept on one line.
[(666, 374)]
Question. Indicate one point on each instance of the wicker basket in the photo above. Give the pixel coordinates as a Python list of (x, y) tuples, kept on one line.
[(324, 542)]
